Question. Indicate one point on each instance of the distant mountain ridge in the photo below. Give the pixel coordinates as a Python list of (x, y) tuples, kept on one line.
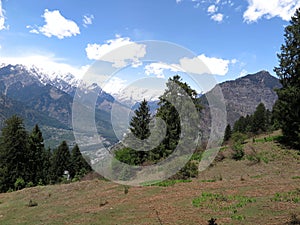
[(47, 99)]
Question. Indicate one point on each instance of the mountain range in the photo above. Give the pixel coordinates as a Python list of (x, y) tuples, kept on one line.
[(46, 99)]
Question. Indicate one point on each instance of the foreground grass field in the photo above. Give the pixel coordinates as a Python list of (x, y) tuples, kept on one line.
[(264, 188)]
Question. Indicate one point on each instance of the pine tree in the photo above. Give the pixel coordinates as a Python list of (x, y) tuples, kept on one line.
[(228, 133), (79, 165), (13, 153), (140, 130), (167, 112), (139, 124), (259, 119), (287, 107), (61, 161), (36, 156)]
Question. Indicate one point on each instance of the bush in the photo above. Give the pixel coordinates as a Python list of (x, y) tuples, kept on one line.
[(238, 151), (190, 170), (19, 184)]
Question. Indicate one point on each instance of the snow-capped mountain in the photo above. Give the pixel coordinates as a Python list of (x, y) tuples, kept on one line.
[(63, 81)]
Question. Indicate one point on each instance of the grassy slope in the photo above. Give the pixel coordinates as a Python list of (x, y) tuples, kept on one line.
[(234, 192)]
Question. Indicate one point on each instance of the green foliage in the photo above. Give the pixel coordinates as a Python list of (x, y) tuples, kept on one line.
[(238, 151), (291, 196), (19, 184), (222, 202), (259, 122), (238, 140), (128, 156), (167, 112), (287, 107), (228, 133), (79, 166), (190, 170), (14, 153), (37, 156), (61, 161)]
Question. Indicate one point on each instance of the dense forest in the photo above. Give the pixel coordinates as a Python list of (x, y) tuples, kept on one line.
[(25, 162)]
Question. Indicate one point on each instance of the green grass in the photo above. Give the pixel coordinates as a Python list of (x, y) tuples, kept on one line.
[(165, 183), (219, 202), (269, 139), (291, 196)]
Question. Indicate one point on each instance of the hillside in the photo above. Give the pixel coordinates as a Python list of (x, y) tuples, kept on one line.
[(244, 94), (233, 192), (40, 99)]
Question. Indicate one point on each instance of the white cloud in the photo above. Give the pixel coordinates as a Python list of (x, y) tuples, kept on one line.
[(2, 18), (48, 63), (203, 64), (178, 1), (57, 25), (212, 9), (268, 9), (118, 51), (87, 20), (158, 69), (198, 65), (217, 17)]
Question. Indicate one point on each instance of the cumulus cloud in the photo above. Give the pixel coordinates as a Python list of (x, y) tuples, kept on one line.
[(258, 9), (217, 17), (128, 51), (158, 69), (203, 64), (56, 25), (198, 65), (87, 20), (2, 18)]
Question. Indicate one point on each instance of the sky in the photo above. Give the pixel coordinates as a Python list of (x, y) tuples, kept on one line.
[(232, 38)]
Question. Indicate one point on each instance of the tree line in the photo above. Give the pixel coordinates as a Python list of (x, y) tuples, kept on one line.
[(25, 162)]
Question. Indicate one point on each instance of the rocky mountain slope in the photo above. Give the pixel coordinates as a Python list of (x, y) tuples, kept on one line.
[(242, 96), (46, 100)]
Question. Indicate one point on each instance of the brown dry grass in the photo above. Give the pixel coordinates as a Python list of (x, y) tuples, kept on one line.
[(101, 202)]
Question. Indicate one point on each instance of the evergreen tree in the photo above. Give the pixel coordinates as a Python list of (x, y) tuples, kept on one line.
[(13, 153), (79, 165), (167, 111), (228, 133), (61, 161), (287, 107), (36, 156), (139, 124), (47, 166), (259, 119)]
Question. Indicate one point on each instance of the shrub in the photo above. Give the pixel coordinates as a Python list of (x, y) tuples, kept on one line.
[(19, 184), (190, 170)]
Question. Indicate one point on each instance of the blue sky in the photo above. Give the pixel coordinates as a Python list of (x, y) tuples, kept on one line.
[(231, 37)]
